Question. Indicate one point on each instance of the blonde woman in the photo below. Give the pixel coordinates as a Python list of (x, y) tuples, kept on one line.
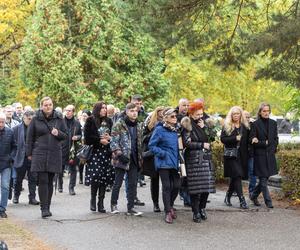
[(234, 136), (148, 167)]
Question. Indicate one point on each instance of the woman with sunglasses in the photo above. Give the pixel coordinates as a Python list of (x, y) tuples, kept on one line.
[(164, 145), (234, 136), (200, 173)]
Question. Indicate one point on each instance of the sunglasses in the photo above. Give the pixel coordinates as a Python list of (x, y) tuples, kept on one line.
[(172, 116)]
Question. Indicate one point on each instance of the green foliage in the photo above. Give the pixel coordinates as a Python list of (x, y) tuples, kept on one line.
[(82, 51), (224, 88), (289, 161)]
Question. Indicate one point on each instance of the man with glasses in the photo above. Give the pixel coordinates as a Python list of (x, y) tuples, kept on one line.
[(21, 162), (70, 145)]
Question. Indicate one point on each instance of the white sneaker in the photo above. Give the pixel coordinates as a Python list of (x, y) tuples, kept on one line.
[(114, 209), (134, 212)]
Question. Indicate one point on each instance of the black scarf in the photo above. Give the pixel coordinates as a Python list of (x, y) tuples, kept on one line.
[(129, 122)]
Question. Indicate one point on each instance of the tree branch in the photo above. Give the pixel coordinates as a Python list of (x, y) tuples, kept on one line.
[(10, 50), (236, 23)]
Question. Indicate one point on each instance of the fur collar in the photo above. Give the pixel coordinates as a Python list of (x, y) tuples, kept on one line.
[(186, 123)]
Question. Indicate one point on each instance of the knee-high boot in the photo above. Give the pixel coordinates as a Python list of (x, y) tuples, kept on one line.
[(94, 189), (101, 196)]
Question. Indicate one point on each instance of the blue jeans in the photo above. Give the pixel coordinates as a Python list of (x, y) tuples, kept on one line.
[(5, 181), (252, 178)]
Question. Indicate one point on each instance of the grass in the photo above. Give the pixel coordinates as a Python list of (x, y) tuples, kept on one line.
[(18, 238)]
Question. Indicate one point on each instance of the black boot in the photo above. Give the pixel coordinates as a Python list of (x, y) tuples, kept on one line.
[(156, 208), (243, 203), (227, 199), (94, 189), (101, 196), (203, 214), (197, 217)]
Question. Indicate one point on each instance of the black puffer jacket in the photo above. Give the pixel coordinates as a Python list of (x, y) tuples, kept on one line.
[(45, 149), (200, 171)]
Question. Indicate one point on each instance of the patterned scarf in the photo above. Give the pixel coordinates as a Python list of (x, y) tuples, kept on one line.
[(170, 127)]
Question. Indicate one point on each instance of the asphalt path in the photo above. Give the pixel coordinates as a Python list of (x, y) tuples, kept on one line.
[(74, 226)]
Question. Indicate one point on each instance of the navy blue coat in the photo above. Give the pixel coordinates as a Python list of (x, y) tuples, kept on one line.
[(164, 145), (8, 148), (20, 140)]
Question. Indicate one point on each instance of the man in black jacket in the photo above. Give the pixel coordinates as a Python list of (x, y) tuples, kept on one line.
[(21, 163), (8, 147), (70, 146)]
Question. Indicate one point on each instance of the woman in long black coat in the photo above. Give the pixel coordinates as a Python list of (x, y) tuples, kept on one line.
[(148, 167), (44, 139), (234, 136), (198, 161), (264, 138), (99, 171)]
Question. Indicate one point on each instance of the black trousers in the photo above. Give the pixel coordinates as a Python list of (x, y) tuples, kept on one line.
[(73, 174), (154, 187), (81, 168), (45, 182), (170, 187), (235, 185), (199, 201), (32, 179), (262, 187), (132, 185)]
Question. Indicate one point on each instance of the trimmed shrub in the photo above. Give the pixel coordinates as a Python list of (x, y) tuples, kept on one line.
[(289, 162), (217, 157)]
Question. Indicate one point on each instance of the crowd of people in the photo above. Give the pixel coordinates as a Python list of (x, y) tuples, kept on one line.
[(173, 146)]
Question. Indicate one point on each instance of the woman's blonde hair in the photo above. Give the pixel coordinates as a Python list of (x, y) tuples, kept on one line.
[(154, 117), (228, 123)]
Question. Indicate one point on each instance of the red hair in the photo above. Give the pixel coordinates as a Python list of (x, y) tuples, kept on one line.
[(195, 106)]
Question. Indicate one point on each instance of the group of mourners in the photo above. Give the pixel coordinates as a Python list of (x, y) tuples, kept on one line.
[(173, 146)]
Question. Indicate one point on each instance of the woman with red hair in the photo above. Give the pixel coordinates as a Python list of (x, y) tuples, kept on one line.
[(200, 172)]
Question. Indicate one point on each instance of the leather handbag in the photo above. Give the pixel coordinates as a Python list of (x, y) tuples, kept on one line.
[(231, 153), (85, 152)]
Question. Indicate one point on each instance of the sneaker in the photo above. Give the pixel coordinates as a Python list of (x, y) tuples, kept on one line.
[(134, 212), (3, 214), (137, 202), (114, 209)]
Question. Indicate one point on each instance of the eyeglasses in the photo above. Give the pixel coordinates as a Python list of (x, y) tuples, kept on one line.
[(172, 116), (68, 110)]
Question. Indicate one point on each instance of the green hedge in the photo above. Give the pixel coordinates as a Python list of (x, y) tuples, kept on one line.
[(288, 159), (289, 162)]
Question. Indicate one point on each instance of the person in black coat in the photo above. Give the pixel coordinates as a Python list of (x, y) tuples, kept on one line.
[(264, 138), (235, 137), (198, 160), (44, 139), (21, 162), (99, 171), (72, 143), (148, 167)]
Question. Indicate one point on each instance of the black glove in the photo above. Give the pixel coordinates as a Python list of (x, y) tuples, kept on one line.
[(123, 159)]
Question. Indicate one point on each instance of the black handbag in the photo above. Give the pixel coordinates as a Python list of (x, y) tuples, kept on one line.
[(85, 152), (231, 153)]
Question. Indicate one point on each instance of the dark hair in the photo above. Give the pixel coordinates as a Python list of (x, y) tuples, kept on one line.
[(261, 106), (86, 111), (28, 113), (130, 106), (96, 113), (136, 97)]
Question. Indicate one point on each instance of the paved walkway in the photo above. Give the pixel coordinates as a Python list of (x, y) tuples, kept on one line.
[(74, 226)]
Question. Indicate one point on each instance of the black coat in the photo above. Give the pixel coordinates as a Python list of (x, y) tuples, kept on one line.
[(8, 148), (19, 133), (148, 167), (264, 155), (74, 129), (198, 162), (46, 149), (236, 167), (91, 133)]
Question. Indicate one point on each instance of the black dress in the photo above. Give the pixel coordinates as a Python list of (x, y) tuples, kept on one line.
[(99, 169)]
